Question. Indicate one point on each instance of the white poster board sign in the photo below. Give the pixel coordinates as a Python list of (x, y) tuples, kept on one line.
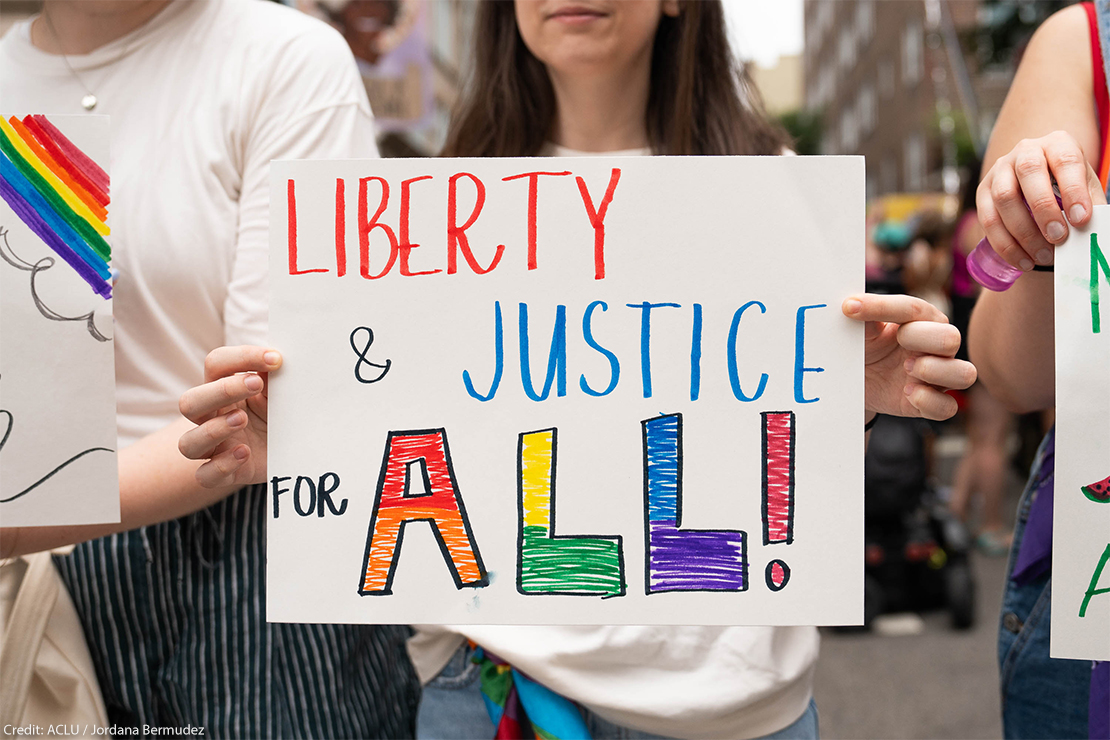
[(57, 367), (1081, 500), (581, 391)]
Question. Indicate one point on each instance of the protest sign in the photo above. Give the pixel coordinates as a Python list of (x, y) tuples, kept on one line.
[(57, 371), (585, 391), (1081, 500)]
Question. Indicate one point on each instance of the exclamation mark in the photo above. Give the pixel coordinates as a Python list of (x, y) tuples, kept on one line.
[(778, 490)]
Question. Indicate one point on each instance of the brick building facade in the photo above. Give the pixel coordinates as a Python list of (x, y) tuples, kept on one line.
[(896, 82)]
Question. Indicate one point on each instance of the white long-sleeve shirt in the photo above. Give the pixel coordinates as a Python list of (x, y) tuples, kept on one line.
[(195, 122)]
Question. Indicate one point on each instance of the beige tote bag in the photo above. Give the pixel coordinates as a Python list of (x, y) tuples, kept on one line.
[(46, 672)]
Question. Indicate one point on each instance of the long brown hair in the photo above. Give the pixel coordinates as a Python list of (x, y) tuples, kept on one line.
[(701, 101)]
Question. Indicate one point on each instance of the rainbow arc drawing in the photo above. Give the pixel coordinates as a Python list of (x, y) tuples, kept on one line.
[(59, 193)]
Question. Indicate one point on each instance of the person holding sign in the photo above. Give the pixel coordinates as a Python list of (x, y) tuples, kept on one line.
[(1012, 338), (201, 95), (644, 78)]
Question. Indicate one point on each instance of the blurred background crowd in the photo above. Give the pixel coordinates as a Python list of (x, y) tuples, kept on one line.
[(914, 86)]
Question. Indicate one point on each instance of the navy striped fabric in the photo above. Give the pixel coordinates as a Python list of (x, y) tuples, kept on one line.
[(175, 619)]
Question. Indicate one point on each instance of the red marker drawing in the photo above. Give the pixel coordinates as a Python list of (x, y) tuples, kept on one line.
[(778, 490)]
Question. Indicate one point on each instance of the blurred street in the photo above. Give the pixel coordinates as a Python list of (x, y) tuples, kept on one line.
[(941, 683)]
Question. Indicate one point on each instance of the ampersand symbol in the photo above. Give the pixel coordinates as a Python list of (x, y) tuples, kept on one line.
[(362, 356)]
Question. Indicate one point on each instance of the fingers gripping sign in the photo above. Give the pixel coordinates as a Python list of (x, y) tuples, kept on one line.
[(909, 358), (229, 410)]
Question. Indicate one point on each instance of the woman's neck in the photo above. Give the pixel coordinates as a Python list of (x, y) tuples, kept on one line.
[(602, 113), (83, 26)]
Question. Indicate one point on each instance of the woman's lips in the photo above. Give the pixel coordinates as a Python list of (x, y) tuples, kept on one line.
[(576, 15)]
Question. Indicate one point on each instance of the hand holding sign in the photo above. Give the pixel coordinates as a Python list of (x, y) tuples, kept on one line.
[(909, 356), (230, 413)]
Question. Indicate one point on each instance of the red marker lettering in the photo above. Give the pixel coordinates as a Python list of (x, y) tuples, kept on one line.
[(533, 192), (340, 228), (405, 247), (292, 233), (456, 235), (365, 226), (597, 219)]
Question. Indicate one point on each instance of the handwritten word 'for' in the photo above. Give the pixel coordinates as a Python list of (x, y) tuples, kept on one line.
[(418, 484), (458, 243)]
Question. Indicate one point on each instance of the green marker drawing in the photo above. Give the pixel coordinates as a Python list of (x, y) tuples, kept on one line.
[(1097, 259), (549, 563), (1099, 492), (1091, 590)]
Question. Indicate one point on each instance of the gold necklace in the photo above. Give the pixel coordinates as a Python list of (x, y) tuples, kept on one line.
[(88, 100)]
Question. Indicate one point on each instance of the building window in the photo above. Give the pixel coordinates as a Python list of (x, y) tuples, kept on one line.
[(913, 53), (824, 88), (849, 130), (865, 21), (914, 162), (829, 140), (824, 19), (846, 47), (888, 175), (867, 108), (886, 78)]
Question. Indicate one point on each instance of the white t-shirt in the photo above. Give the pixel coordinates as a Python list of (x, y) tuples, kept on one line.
[(686, 682), (201, 99)]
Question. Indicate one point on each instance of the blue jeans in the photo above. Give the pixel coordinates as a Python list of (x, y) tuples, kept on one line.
[(452, 708), (1042, 697)]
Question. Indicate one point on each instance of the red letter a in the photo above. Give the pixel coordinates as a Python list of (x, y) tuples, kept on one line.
[(424, 453)]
